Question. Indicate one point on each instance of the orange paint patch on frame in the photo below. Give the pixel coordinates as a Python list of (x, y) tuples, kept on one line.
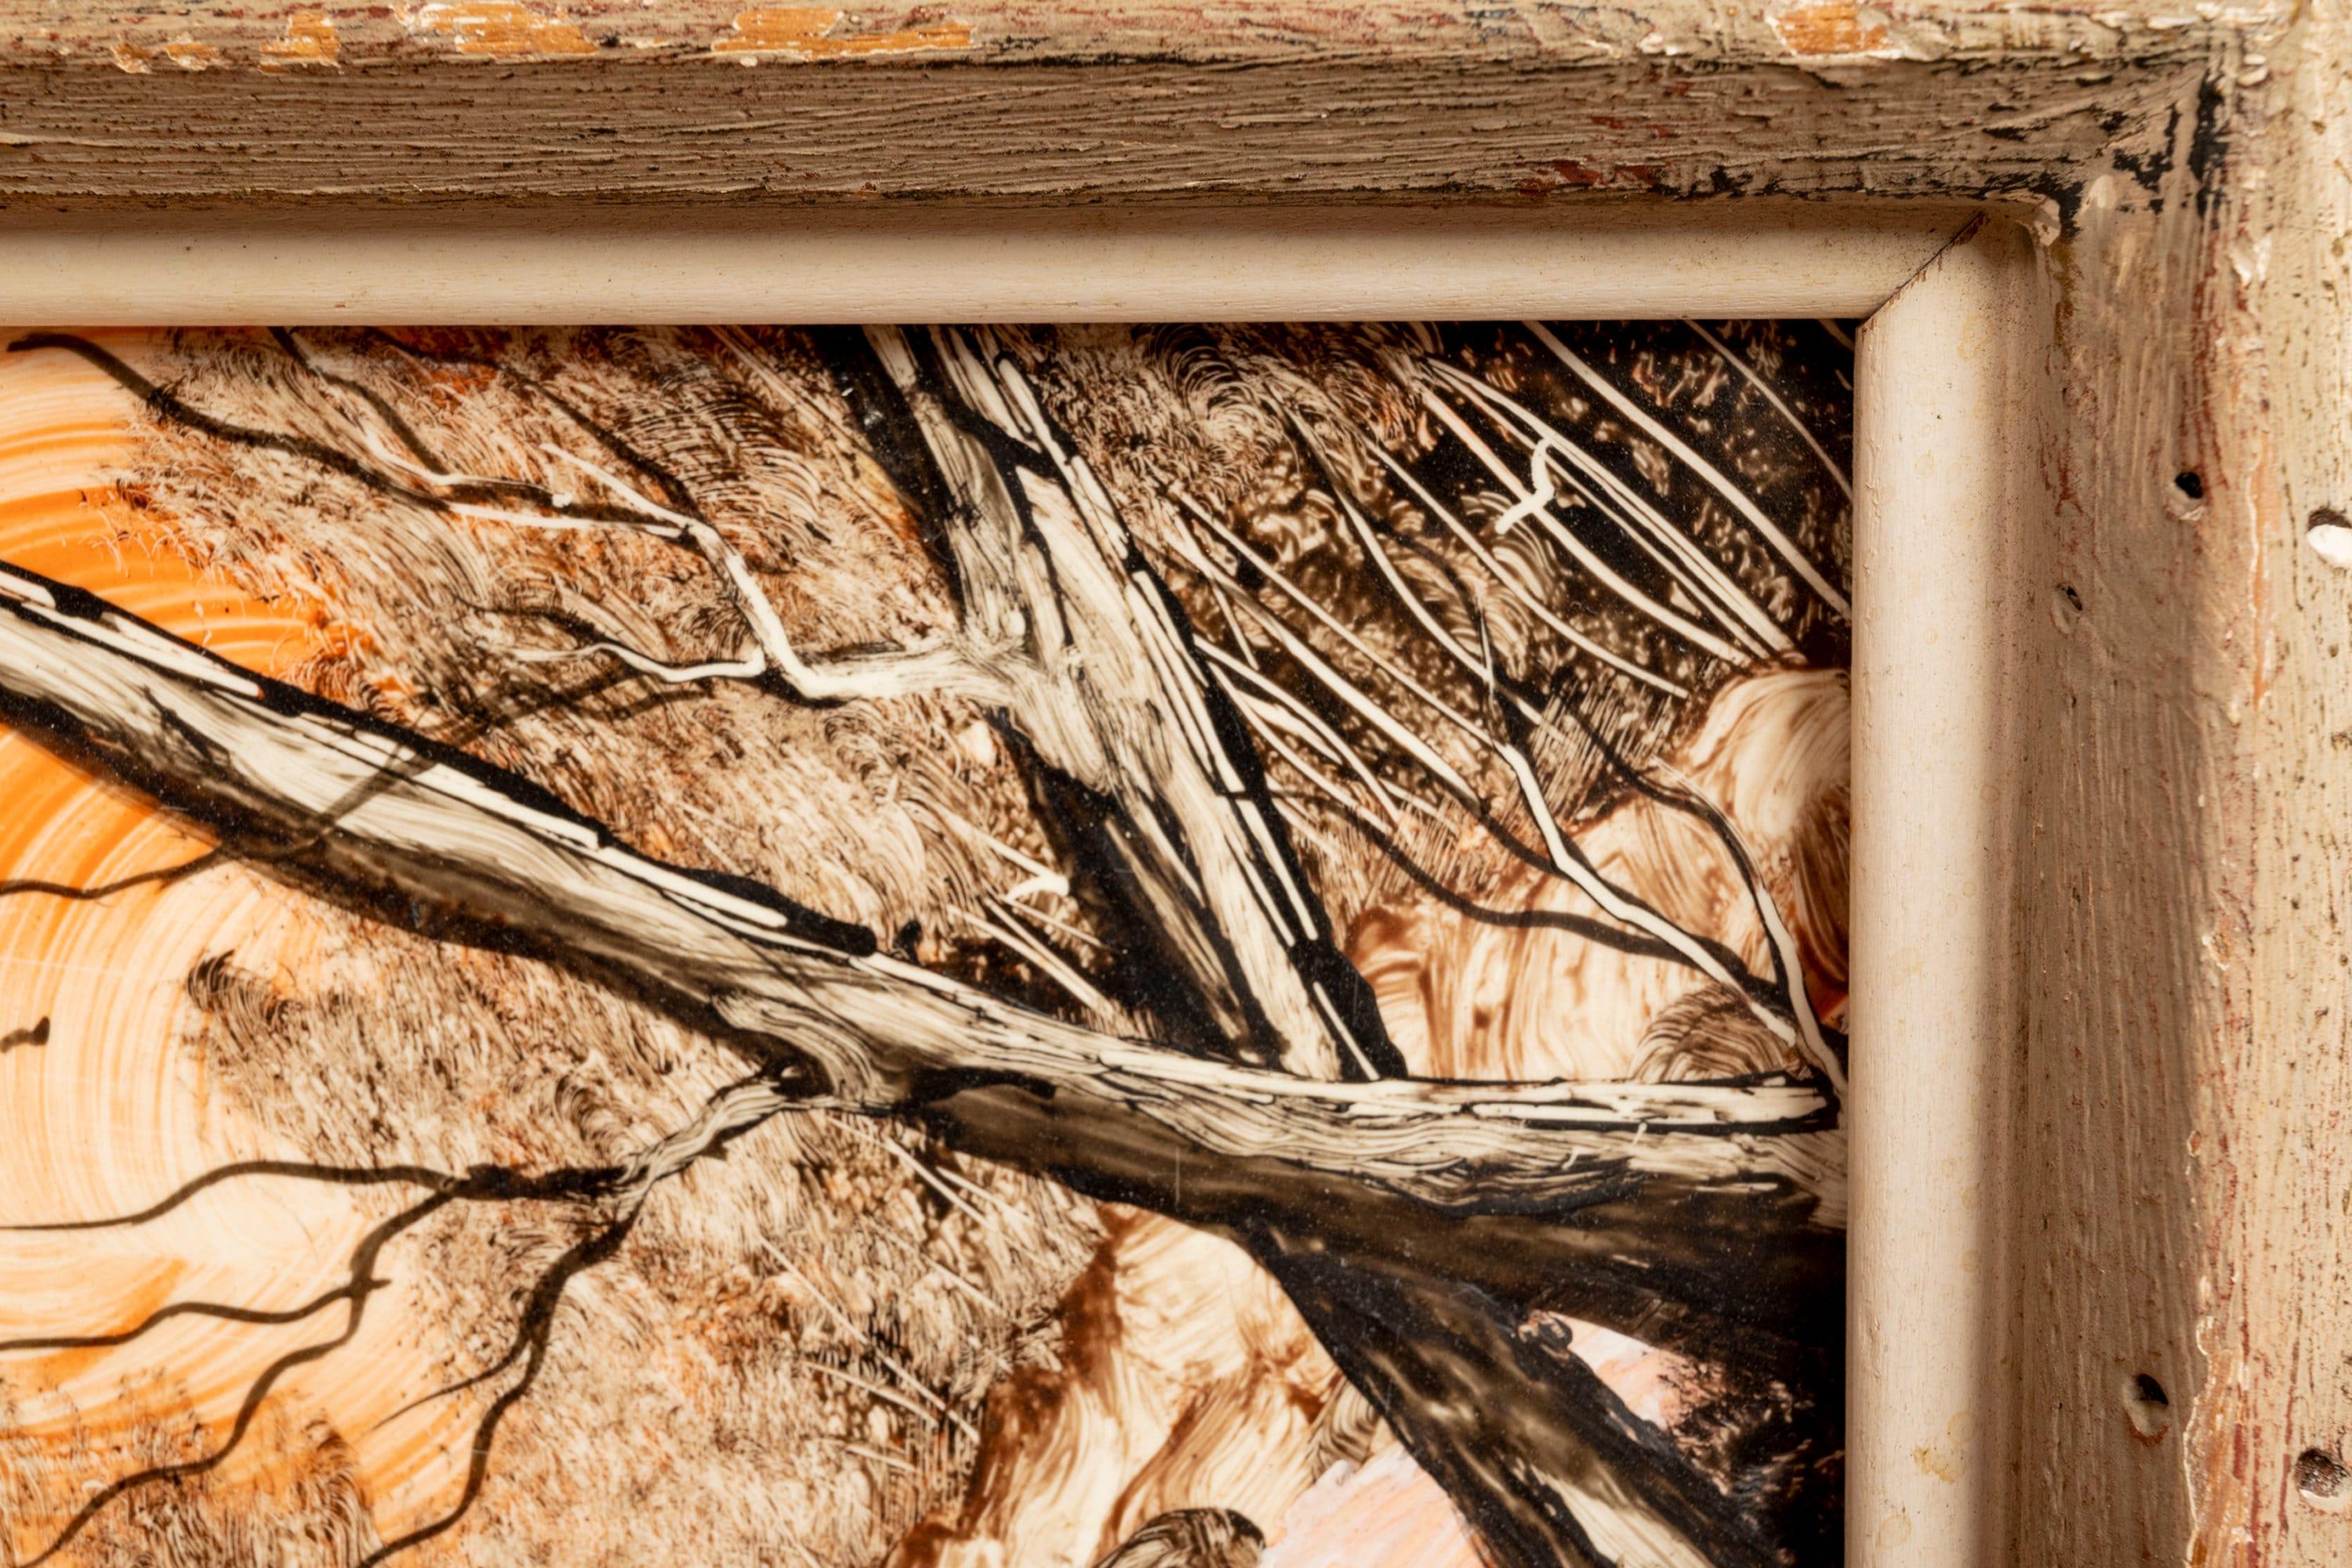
[(1828, 27), (138, 59), (500, 28), (310, 40), (806, 32)]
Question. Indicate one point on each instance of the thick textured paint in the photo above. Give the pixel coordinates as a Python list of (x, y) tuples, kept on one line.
[(1673, 1177)]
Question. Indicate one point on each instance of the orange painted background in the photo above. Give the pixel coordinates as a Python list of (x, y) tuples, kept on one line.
[(106, 1111)]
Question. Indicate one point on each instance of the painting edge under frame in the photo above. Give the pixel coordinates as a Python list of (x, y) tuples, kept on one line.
[(2095, 442)]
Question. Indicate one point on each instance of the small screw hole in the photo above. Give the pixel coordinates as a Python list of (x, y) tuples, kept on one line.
[(2322, 1479), (2148, 1405), (2191, 483), (2065, 607)]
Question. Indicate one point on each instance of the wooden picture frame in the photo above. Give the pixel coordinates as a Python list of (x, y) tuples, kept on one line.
[(2100, 1238)]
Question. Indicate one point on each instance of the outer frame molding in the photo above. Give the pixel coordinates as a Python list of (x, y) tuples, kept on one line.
[(2145, 1073)]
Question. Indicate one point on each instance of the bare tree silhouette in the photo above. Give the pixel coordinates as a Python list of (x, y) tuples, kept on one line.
[(1471, 641)]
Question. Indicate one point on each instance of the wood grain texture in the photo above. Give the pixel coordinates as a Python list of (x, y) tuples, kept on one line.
[(2272, 1084), (2178, 1190), (1085, 102)]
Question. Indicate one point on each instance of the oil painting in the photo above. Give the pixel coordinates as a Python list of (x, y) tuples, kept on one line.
[(1198, 946)]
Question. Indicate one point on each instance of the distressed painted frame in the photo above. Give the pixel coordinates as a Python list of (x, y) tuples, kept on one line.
[(2101, 1241)]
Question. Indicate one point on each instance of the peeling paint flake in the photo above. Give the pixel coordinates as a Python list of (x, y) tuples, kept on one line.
[(310, 40), (191, 56), (501, 28), (1828, 27), (806, 33)]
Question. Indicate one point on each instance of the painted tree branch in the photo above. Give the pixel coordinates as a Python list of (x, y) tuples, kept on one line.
[(390, 457), (1066, 632), (1109, 694), (1702, 1217), (1784, 1009), (1111, 688), (607, 1200), (1069, 638)]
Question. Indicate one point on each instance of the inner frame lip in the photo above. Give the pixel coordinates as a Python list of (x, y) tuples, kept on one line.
[(668, 264)]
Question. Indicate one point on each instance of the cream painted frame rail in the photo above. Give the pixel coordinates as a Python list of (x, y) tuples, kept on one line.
[(2103, 744)]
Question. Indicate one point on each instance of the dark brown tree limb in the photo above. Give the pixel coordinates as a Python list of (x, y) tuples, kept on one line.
[(1108, 693), (1702, 1217)]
